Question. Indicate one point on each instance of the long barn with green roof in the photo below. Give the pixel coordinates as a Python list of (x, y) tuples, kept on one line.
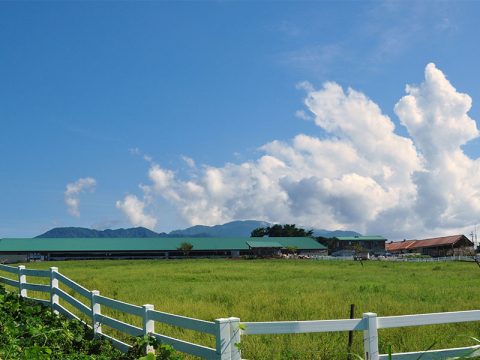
[(127, 248)]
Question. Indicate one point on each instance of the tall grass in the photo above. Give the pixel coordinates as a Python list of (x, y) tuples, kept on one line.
[(270, 290)]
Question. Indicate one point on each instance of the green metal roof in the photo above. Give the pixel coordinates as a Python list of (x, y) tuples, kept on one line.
[(300, 243), (142, 244), (361, 238), (264, 244)]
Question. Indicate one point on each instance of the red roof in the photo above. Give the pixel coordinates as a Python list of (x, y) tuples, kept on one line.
[(416, 244), (400, 245)]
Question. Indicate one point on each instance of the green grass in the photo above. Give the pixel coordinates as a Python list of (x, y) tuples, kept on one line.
[(270, 290)]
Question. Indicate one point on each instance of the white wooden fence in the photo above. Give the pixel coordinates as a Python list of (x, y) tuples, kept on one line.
[(224, 330), (434, 259), (227, 331), (400, 258)]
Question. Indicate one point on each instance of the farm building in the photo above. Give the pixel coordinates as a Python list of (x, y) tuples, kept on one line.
[(265, 248), (371, 245), (440, 246), (128, 248)]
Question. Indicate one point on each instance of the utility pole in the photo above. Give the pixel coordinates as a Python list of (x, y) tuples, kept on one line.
[(473, 234), (475, 242)]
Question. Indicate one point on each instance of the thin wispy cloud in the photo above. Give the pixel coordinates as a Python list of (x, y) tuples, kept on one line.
[(287, 28), (386, 30), (189, 161), (138, 152), (301, 114), (135, 151), (317, 58)]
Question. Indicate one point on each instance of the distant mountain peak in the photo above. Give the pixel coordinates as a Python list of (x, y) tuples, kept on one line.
[(329, 233), (237, 228), (79, 232)]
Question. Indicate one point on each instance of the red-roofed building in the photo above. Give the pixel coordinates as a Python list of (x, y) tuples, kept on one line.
[(440, 246), (400, 247)]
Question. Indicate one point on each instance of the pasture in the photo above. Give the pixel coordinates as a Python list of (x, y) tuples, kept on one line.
[(269, 290)]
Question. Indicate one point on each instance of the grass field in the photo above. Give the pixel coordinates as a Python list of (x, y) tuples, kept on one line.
[(269, 290)]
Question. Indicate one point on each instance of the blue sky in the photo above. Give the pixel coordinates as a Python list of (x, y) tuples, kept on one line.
[(179, 113)]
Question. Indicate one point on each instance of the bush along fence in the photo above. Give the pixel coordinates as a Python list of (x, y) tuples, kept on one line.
[(227, 331)]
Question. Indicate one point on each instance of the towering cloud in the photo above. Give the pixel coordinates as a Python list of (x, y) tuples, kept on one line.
[(73, 191), (435, 115), (362, 175)]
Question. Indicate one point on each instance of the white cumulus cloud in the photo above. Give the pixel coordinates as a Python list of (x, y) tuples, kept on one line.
[(134, 209), (73, 191), (361, 176), (435, 114)]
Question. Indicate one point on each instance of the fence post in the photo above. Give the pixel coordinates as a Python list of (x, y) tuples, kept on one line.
[(235, 333), (223, 340), (22, 279), (53, 286), (370, 336), (148, 326), (96, 325)]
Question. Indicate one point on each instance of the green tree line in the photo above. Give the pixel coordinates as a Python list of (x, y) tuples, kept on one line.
[(277, 230)]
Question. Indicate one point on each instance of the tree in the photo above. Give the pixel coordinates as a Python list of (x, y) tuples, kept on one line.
[(258, 232), (359, 251), (277, 230), (186, 247), (291, 250), (292, 231)]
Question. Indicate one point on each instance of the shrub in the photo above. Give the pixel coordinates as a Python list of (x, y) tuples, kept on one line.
[(29, 330)]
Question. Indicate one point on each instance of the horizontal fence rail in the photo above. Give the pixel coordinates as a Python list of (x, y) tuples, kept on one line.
[(36, 287), (186, 347), (184, 322), (73, 285), (73, 301), (10, 269), (119, 305), (59, 308), (41, 301), (464, 352), (428, 319), (296, 327), (119, 325), (37, 273), (227, 331), (9, 281)]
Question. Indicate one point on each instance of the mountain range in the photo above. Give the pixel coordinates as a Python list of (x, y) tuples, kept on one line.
[(231, 229)]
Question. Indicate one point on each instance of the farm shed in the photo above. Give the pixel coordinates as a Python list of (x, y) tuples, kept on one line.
[(400, 247), (128, 248), (440, 246), (373, 244), (265, 248)]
